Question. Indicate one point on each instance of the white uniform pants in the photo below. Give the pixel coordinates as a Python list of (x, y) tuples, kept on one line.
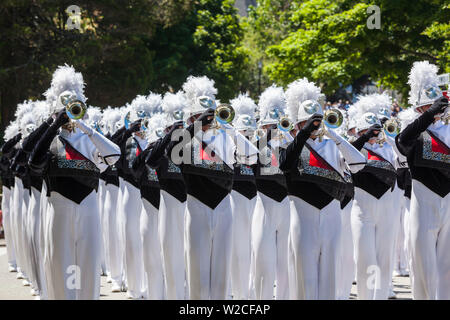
[(401, 258), (18, 200), (171, 232), (314, 243), (407, 242), (26, 234), (7, 220), (112, 231), (101, 203), (130, 210), (346, 265), (374, 223), (153, 270), (430, 243), (270, 231), (208, 249), (43, 223), (72, 260), (33, 243), (242, 209)]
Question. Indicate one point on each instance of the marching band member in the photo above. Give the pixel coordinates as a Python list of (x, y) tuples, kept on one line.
[(150, 194), (403, 267), (207, 165), (172, 206), (425, 143), (374, 222), (113, 121), (270, 224), (12, 137), (41, 118), (21, 201), (315, 175), (346, 264), (94, 116), (132, 143), (70, 155), (243, 201)]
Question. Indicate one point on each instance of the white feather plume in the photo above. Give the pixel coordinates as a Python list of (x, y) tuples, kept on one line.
[(23, 108), (94, 114), (11, 131), (111, 116), (157, 120), (423, 74), (369, 103), (27, 119), (65, 78), (405, 117), (41, 111), (243, 104), (273, 96), (174, 102), (150, 104), (298, 92), (199, 86)]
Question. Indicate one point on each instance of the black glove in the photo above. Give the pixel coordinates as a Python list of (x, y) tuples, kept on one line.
[(50, 120), (439, 106), (383, 120), (204, 117), (135, 126), (61, 118), (372, 131), (309, 126)]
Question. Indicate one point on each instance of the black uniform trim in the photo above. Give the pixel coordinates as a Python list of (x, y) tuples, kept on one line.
[(433, 174)]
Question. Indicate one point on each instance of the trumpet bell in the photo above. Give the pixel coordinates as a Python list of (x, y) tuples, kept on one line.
[(224, 114), (285, 124), (333, 118), (76, 109), (391, 128), (127, 120), (259, 133), (145, 123)]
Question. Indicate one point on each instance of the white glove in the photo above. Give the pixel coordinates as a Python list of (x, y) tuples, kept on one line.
[(84, 127), (354, 159), (330, 133)]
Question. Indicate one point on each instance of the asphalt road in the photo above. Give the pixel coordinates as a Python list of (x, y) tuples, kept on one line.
[(12, 288)]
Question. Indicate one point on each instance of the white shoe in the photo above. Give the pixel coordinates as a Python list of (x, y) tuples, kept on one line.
[(129, 295), (12, 268), (392, 294), (397, 273), (20, 275), (115, 287), (25, 283), (34, 292), (108, 279)]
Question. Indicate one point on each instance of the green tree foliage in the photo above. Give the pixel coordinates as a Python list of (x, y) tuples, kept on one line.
[(206, 42), (329, 42), (124, 48)]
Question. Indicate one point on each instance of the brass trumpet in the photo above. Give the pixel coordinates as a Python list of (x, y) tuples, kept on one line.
[(76, 109), (391, 128), (333, 119), (224, 114), (285, 124), (145, 123)]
